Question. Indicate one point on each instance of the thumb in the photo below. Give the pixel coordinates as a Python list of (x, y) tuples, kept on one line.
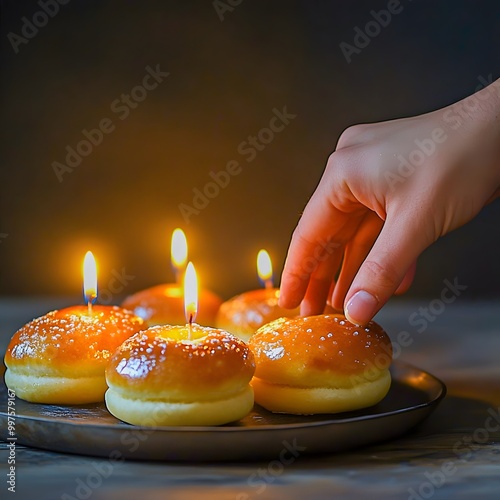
[(407, 280), (391, 258)]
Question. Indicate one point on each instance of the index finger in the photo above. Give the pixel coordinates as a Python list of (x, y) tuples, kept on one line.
[(317, 239)]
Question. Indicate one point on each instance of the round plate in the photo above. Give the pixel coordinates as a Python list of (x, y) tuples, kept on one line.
[(92, 430)]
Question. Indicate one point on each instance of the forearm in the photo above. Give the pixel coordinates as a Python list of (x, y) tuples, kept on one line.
[(473, 124)]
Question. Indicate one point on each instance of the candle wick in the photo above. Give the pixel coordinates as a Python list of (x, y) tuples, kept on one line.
[(269, 284), (190, 326), (90, 299)]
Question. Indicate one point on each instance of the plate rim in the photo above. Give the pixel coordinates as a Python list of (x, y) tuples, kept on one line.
[(440, 387)]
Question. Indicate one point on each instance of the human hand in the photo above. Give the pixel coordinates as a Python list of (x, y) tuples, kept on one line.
[(389, 191)]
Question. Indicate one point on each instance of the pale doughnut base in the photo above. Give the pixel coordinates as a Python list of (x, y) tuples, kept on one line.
[(153, 413), (308, 401), (57, 390)]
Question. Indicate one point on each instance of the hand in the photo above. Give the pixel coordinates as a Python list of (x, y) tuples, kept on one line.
[(389, 191)]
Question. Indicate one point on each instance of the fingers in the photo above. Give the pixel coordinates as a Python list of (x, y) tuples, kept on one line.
[(407, 280), (309, 269), (330, 219), (320, 283), (493, 197), (315, 250), (355, 253), (401, 240)]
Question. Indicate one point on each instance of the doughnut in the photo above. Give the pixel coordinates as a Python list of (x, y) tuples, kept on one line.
[(159, 377), (243, 314), (60, 358), (320, 364), (164, 304)]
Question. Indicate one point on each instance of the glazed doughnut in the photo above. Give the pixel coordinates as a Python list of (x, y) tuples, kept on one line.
[(243, 314), (60, 358), (164, 304), (159, 377), (320, 364)]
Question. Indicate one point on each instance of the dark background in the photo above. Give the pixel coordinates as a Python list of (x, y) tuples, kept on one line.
[(225, 79)]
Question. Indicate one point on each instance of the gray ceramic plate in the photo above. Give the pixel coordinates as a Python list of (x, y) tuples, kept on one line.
[(91, 430)]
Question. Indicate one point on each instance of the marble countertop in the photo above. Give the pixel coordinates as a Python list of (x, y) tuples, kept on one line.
[(454, 454)]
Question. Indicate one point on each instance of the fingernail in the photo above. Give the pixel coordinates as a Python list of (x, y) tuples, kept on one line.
[(361, 308)]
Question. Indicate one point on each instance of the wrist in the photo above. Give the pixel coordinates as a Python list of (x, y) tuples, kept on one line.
[(489, 116), (475, 122)]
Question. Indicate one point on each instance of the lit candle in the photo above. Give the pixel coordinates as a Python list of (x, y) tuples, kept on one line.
[(190, 296), (178, 253), (243, 314), (60, 358), (265, 268), (89, 280), (188, 375), (164, 304)]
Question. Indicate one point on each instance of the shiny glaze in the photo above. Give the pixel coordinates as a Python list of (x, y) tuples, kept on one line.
[(70, 342), (162, 362), (308, 350), (248, 311)]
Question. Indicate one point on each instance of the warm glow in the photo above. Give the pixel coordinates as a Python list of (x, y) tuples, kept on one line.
[(89, 278), (265, 268), (178, 251), (190, 293)]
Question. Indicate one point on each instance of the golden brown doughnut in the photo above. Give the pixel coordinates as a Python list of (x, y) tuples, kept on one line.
[(60, 358), (164, 305), (159, 377), (320, 364), (243, 314)]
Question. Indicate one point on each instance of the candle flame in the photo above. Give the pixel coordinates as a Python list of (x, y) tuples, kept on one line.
[(179, 250), (265, 268), (89, 278), (190, 293)]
